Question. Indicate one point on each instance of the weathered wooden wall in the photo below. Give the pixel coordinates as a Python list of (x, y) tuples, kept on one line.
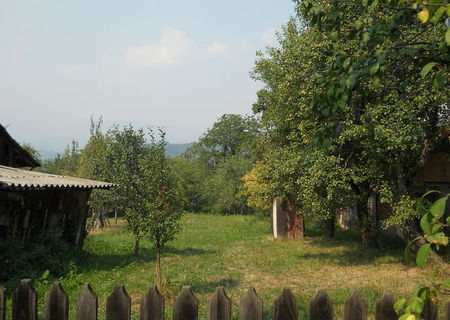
[(185, 305), (25, 214)]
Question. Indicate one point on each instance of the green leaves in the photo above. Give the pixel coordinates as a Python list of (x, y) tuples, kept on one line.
[(417, 305), (437, 238), (326, 144), (426, 222), (374, 69), (427, 68), (408, 255), (437, 209), (351, 81), (438, 14), (423, 254), (439, 79), (431, 227), (399, 305)]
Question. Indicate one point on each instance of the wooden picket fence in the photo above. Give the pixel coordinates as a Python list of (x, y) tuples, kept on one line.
[(185, 306)]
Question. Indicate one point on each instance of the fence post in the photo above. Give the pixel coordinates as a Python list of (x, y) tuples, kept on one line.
[(251, 306), (430, 311), (118, 305), (2, 303), (448, 311), (384, 309), (185, 306), (285, 307), (56, 303), (320, 307), (219, 306), (24, 301), (355, 307), (152, 305), (87, 304)]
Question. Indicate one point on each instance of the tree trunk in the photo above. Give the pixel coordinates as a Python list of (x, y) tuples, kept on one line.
[(295, 222), (115, 215), (296, 226), (136, 246), (368, 223), (158, 269), (330, 223)]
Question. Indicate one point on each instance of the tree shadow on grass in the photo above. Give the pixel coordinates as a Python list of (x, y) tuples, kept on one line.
[(88, 261), (352, 257), (352, 239), (349, 250), (187, 251), (202, 287)]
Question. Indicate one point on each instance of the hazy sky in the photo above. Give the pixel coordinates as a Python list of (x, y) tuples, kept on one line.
[(174, 64)]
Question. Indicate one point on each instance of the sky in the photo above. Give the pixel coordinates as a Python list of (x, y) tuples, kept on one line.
[(177, 64)]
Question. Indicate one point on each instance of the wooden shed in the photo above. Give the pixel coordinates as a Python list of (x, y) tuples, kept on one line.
[(33, 203), (12, 154)]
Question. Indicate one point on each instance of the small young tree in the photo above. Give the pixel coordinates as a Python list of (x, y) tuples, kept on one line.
[(161, 199), (148, 191)]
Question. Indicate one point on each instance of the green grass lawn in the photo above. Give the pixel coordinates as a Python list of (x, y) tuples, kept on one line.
[(238, 252)]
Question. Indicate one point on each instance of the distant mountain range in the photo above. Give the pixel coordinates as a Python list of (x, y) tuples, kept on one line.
[(172, 150), (175, 149)]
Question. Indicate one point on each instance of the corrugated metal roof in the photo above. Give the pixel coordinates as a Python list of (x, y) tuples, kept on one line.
[(17, 179)]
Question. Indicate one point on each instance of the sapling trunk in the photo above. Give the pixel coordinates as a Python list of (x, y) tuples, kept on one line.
[(158, 268), (136, 246)]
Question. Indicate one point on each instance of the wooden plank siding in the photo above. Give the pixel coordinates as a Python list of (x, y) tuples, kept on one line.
[(25, 214)]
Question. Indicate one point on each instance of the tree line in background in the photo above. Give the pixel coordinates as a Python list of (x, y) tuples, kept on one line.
[(208, 174)]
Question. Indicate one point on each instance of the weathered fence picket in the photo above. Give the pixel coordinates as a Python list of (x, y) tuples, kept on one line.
[(152, 305), (118, 305), (430, 311), (24, 300), (251, 306), (285, 307), (185, 305), (56, 304), (384, 309), (2, 303), (448, 312), (320, 307), (87, 304), (219, 306), (355, 307)]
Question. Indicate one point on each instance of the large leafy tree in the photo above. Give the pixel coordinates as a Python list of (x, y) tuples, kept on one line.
[(344, 95), (230, 135)]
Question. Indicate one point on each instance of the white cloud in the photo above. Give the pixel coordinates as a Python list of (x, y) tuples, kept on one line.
[(269, 36), (173, 47), (217, 48)]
